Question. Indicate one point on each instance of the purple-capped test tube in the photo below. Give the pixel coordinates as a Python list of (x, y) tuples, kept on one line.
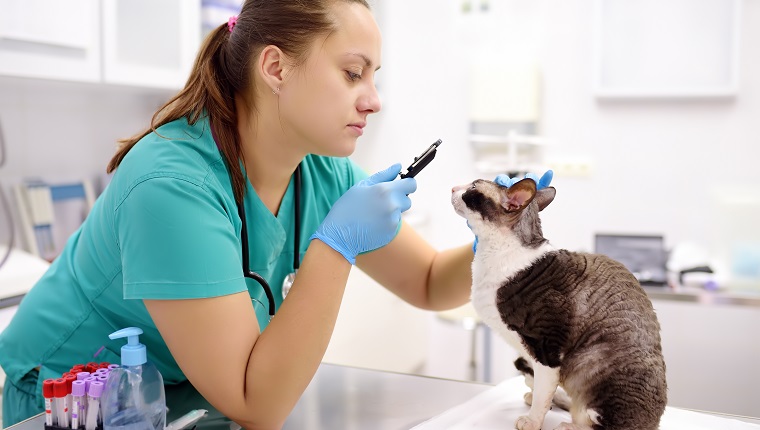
[(82, 376), (78, 403), (93, 404), (112, 366), (87, 381)]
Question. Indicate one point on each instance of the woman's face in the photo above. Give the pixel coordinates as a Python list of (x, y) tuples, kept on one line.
[(324, 105)]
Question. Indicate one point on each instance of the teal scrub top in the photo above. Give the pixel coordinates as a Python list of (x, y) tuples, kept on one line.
[(166, 227)]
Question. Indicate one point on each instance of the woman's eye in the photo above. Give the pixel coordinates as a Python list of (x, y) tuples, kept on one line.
[(353, 76)]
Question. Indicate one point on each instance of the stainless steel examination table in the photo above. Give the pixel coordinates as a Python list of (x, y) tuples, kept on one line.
[(341, 397)]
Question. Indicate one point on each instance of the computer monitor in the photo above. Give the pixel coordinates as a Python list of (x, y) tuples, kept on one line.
[(643, 255)]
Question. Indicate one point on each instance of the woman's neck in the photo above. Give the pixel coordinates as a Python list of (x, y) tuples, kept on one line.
[(269, 159)]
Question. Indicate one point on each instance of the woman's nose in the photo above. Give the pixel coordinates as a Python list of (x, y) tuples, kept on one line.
[(370, 102)]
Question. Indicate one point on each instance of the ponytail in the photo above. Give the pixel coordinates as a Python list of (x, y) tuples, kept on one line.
[(207, 89)]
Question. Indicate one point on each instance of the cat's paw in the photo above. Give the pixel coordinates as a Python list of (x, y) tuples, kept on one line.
[(526, 423), (528, 398)]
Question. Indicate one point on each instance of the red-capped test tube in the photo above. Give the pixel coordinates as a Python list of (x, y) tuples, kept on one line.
[(69, 378), (60, 390), (48, 394)]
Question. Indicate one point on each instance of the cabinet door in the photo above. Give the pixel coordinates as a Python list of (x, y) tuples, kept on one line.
[(50, 39), (150, 43)]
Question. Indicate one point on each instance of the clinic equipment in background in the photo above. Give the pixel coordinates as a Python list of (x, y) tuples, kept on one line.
[(50, 212)]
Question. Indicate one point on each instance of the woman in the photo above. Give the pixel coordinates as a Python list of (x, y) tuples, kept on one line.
[(282, 85)]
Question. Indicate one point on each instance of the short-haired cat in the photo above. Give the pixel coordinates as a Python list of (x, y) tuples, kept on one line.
[(580, 321)]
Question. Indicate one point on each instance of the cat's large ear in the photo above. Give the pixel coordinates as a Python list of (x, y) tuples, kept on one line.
[(519, 195), (545, 196)]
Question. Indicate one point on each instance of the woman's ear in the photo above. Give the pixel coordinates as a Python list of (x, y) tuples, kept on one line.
[(272, 67)]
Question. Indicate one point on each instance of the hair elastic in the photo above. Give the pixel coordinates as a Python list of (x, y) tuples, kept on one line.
[(231, 22)]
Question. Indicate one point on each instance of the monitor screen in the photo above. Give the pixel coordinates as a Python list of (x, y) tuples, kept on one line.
[(643, 255)]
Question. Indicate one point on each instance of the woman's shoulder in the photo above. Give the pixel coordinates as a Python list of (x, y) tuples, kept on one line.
[(177, 147), (177, 151)]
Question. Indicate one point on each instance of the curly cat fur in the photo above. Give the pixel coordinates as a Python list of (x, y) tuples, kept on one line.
[(581, 321)]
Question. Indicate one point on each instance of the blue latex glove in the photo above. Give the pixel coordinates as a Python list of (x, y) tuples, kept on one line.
[(506, 181), (367, 216), (543, 182)]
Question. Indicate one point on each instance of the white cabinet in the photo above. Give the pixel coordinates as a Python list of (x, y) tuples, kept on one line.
[(150, 43), (144, 43), (50, 39)]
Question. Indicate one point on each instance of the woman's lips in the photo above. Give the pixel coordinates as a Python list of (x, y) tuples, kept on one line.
[(357, 128)]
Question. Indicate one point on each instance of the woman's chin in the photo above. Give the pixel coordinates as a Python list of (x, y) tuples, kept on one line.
[(344, 150)]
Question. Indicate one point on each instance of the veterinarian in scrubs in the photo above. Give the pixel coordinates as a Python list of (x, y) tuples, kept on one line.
[(279, 93)]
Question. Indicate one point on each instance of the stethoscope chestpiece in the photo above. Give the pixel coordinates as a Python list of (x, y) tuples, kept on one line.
[(287, 283)]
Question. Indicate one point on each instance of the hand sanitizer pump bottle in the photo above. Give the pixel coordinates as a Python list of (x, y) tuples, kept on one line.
[(134, 397)]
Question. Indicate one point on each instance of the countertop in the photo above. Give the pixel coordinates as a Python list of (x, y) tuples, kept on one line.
[(705, 297)]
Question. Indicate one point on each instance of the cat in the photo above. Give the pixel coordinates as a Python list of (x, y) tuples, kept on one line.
[(579, 321)]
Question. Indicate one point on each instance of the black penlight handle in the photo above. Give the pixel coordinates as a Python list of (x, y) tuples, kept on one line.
[(422, 161)]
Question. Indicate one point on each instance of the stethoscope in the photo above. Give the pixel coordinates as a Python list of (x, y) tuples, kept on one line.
[(290, 277)]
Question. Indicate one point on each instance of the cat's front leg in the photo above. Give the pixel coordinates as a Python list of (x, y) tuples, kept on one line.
[(545, 382)]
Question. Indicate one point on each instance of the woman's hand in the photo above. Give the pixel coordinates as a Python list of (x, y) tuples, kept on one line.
[(367, 216)]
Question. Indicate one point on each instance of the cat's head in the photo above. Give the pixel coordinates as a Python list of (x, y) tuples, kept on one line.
[(492, 209)]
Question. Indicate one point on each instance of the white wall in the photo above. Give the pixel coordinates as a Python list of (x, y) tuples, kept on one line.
[(66, 129)]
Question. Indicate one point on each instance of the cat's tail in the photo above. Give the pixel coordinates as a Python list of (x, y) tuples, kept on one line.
[(522, 366), (561, 399)]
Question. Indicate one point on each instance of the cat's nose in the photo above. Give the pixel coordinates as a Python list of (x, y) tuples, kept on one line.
[(457, 188)]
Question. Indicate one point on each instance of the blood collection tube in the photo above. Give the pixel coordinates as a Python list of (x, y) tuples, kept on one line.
[(87, 382), (69, 378), (47, 393), (93, 404), (77, 404), (82, 375), (59, 402)]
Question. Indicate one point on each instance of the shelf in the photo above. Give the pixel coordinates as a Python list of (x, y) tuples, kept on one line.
[(512, 138)]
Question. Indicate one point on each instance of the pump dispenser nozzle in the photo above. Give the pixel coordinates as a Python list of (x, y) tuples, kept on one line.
[(133, 353)]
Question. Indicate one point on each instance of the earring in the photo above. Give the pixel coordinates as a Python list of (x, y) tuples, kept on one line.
[(276, 91)]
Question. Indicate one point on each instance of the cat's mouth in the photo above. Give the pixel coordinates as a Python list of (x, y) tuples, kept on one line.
[(456, 199)]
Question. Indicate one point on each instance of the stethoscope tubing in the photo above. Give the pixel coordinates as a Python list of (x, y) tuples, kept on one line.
[(247, 272)]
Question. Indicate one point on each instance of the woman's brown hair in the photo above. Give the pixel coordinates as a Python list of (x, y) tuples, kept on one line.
[(222, 69)]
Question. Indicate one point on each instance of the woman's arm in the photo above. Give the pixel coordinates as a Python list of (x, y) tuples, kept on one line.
[(256, 379), (410, 268)]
